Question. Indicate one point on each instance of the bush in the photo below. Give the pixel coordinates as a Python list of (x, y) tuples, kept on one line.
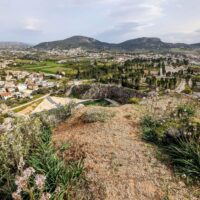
[(97, 115), (178, 138), (187, 90), (29, 146), (149, 126), (185, 111), (185, 156), (134, 100)]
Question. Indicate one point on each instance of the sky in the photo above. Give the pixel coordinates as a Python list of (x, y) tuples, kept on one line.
[(35, 21)]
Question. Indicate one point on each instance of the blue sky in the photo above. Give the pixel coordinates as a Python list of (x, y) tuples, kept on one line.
[(34, 21)]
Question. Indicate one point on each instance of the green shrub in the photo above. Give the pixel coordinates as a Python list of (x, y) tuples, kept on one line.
[(178, 138), (187, 90), (97, 115), (30, 143), (185, 156), (134, 100), (1, 119), (149, 126), (185, 110), (45, 161)]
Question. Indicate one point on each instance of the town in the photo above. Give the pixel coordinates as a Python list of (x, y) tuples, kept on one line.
[(31, 74)]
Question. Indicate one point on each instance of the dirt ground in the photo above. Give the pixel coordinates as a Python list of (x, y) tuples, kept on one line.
[(118, 161)]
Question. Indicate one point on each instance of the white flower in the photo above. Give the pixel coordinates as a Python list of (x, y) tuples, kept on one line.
[(45, 196), (21, 182), (57, 189), (28, 172), (189, 133), (21, 163), (40, 181), (16, 196), (184, 176)]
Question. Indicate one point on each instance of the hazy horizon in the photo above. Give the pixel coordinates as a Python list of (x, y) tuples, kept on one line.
[(112, 21)]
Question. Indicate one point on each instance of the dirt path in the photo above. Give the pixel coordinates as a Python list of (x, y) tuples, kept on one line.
[(29, 103), (119, 160), (181, 86)]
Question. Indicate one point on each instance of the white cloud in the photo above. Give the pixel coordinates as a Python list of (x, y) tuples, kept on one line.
[(33, 24)]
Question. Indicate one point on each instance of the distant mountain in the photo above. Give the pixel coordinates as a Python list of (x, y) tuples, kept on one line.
[(144, 43), (74, 42), (13, 45), (195, 46)]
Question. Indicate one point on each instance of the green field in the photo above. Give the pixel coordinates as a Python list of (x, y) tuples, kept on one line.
[(52, 67)]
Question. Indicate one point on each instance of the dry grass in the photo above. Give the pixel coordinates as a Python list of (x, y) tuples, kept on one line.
[(119, 164), (97, 115)]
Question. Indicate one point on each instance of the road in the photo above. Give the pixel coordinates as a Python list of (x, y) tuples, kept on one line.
[(181, 86), (29, 103)]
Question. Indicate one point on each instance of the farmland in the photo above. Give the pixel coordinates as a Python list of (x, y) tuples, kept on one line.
[(51, 67)]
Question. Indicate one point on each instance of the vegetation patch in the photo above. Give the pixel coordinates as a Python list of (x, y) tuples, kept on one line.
[(177, 136), (187, 90), (97, 115), (31, 166), (100, 102), (134, 100)]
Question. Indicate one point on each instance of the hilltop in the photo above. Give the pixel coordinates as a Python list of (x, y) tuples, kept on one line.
[(119, 164)]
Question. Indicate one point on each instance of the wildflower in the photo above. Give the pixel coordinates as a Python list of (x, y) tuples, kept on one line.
[(184, 176), (18, 190), (46, 196), (57, 189), (21, 163), (40, 181), (28, 172), (16, 196), (189, 133), (21, 182)]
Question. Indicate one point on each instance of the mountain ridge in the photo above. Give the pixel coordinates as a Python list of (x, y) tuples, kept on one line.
[(88, 43)]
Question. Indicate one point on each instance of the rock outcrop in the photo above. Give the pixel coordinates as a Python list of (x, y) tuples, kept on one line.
[(101, 91)]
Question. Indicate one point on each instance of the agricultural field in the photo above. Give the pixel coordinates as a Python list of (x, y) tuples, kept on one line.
[(52, 67)]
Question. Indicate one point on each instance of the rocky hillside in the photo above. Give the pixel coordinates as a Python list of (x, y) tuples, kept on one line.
[(101, 91)]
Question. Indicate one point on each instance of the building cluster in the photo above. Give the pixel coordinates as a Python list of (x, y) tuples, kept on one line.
[(21, 84)]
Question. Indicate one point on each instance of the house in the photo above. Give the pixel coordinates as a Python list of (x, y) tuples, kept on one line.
[(17, 94), (27, 93), (32, 86), (8, 77), (2, 83), (21, 87), (9, 84), (5, 95)]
